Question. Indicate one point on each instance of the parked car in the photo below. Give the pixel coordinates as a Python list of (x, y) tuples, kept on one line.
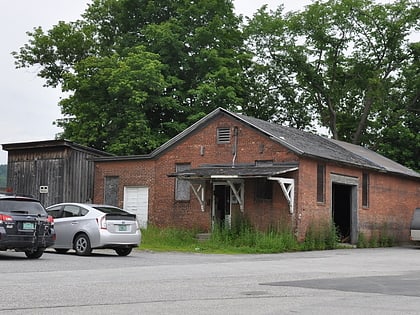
[(25, 225), (415, 226), (84, 227)]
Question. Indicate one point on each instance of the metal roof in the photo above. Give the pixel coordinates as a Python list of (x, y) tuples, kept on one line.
[(52, 144), (240, 171), (312, 145), (300, 142)]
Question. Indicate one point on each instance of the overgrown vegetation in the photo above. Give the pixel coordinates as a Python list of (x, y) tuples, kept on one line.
[(381, 238), (241, 238)]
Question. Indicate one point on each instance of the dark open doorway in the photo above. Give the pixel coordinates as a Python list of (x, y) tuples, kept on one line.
[(221, 203), (341, 210)]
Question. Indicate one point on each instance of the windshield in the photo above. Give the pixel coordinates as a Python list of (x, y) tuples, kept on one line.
[(22, 207)]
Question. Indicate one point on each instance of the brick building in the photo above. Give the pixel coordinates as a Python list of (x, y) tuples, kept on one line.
[(228, 166)]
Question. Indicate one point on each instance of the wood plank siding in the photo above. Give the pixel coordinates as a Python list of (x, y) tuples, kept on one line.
[(52, 171)]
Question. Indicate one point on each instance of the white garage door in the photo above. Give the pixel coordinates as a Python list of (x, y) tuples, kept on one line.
[(136, 200)]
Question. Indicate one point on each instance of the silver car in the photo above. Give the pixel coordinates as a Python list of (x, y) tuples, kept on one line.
[(84, 227)]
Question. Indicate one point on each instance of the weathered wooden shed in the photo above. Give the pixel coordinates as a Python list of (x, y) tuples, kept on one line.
[(52, 170)]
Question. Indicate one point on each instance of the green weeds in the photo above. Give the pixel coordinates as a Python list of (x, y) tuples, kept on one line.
[(241, 237), (381, 237)]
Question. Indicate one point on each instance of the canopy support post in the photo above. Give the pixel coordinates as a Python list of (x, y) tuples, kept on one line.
[(288, 187)]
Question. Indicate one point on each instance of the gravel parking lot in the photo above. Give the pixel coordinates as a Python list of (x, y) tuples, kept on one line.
[(345, 281)]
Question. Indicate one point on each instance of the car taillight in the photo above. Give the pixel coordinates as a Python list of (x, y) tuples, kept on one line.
[(5, 218), (50, 220), (101, 222)]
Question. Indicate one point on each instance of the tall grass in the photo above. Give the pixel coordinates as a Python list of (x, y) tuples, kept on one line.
[(241, 237), (382, 237), (321, 236), (168, 239)]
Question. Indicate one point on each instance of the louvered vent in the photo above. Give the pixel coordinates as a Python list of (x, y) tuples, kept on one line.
[(223, 135)]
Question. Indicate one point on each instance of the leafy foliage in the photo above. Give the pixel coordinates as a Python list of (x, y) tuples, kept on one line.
[(339, 64), (136, 73), (139, 72)]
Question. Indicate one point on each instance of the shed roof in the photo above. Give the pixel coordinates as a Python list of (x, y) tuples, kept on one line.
[(49, 144), (238, 171)]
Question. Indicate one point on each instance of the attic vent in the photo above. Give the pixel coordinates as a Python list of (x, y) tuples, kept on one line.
[(223, 135)]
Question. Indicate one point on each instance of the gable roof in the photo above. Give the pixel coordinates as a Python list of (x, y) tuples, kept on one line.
[(298, 141)]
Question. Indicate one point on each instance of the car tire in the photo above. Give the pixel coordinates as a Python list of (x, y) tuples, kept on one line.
[(34, 254), (123, 251), (61, 250), (82, 245)]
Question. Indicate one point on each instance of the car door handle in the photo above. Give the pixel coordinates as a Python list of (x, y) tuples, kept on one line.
[(74, 222)]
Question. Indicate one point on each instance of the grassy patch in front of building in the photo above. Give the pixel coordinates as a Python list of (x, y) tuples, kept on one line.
[(238, 239)]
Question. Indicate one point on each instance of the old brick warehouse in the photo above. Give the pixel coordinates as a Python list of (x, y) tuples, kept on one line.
[(229, 166)]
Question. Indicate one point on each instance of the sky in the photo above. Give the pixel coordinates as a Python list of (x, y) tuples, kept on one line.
[(27, 109)]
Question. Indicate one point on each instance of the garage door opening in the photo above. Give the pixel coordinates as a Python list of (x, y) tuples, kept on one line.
[(341, 210)]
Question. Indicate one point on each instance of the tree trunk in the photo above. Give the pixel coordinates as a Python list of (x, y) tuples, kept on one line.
[(362, 122)]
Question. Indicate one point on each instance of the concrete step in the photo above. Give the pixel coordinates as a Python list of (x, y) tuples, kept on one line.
[(203, 236)]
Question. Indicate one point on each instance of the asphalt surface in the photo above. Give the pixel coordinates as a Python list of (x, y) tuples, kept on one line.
[(345, 281)]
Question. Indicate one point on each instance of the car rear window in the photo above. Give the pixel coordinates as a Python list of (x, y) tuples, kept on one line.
[(109, 210), (21, 206)]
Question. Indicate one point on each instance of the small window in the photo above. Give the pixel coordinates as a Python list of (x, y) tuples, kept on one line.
[(223, 135), (264, 189), (320, 183), (182, 187), (111, 190), (365, 190)]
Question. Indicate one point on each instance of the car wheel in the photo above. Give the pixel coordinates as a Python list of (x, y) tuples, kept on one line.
[(34, 254), (82, 245), (61, 250), (123, 251)]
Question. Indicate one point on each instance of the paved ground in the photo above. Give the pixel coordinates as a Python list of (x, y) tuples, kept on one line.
[(346, 281)]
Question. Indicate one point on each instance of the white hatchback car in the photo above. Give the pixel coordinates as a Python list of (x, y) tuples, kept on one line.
[(84, 227)]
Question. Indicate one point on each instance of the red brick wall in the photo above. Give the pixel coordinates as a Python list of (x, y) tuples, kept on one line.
[(392, 200), (165, 211), (189, 214), (130, 173)]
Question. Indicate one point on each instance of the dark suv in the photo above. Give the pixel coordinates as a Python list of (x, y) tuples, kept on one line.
[(25, 226)]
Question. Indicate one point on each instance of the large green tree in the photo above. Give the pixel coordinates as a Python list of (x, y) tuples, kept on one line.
[(138, 72), (337, 63), (400, 140)]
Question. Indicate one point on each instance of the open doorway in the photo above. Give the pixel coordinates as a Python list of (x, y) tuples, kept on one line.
[(341, 210), (221, 204)]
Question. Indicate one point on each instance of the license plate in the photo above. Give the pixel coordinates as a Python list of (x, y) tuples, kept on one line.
[(122, 228), (28, 226)]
